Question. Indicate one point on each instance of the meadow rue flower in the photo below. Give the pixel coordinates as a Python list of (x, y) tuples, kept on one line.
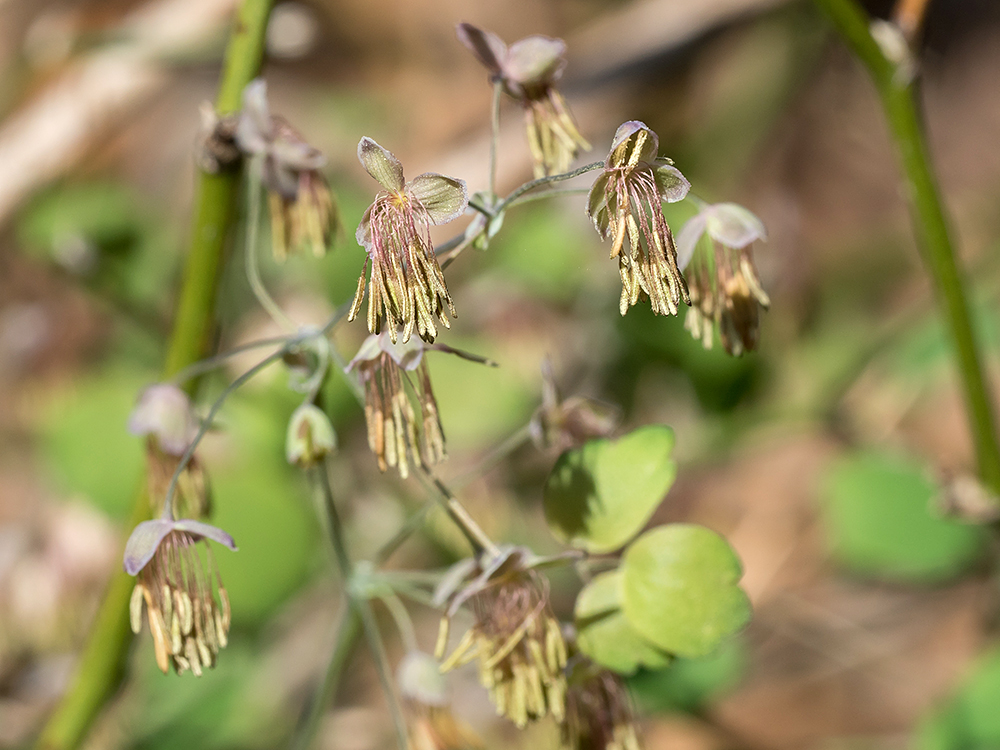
[(515, 637), (406, 287), (626, 202), (598, 711), (396, 435), (187, 606), (163, 415), (725, 289), (302, 209), (528, 70)]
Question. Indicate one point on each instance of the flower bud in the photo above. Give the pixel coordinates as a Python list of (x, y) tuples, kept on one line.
[(421, 681), (310, 436)]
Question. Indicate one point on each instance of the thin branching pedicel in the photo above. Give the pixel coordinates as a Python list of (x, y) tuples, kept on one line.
[(187, 606), (528, 71), (406, 288), (516, 638), (626, 201), (725, 289), (303, 211)]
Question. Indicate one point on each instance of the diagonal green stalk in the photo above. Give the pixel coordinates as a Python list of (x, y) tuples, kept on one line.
[(898, 93), (101, 667), (359, 605)]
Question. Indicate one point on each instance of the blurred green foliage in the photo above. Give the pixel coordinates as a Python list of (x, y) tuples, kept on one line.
[(689, 684), (878, 519), (970, 720), (601, 495)]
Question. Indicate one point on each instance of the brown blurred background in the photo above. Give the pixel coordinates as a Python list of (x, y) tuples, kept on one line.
[(756, 102)]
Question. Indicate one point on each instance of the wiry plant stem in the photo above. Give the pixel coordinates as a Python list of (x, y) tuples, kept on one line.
[(102, 662), (360, 605), (899, 100)]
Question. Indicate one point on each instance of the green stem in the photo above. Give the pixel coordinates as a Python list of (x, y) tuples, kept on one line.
[(899, 100), (541, 181), (101, 667), (348, 632), (360, 605)]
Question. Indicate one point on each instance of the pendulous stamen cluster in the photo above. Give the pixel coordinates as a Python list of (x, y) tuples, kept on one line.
[(598, 712), (406, 287), (528, 70), (186, 605), (516, 639), (725, 289), (302, 209), (626, 202), (396, 435)]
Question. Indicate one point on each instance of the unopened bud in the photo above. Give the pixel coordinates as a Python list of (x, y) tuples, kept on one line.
[(420, 680), (310, 436)]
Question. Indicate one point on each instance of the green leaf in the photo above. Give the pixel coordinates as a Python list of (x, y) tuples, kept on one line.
[(605, 635), (970, 720), (601, 495), (689, 684), (85, 442), (879, 522), (680, 589)]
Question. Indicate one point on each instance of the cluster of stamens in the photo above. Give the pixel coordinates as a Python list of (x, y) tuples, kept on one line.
[(406, 287), (729, 295), (520, 649), (649, 268), (599, 714), (395, 434), (553, 136), (179, 587)]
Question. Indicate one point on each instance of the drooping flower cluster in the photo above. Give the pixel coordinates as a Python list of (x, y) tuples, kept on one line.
[(302, 209), (396, 434), (725, 289), (626, 202), (187, 606), (516, 639), (406, 288), (598, 711), (163, 415), (528, 70)]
